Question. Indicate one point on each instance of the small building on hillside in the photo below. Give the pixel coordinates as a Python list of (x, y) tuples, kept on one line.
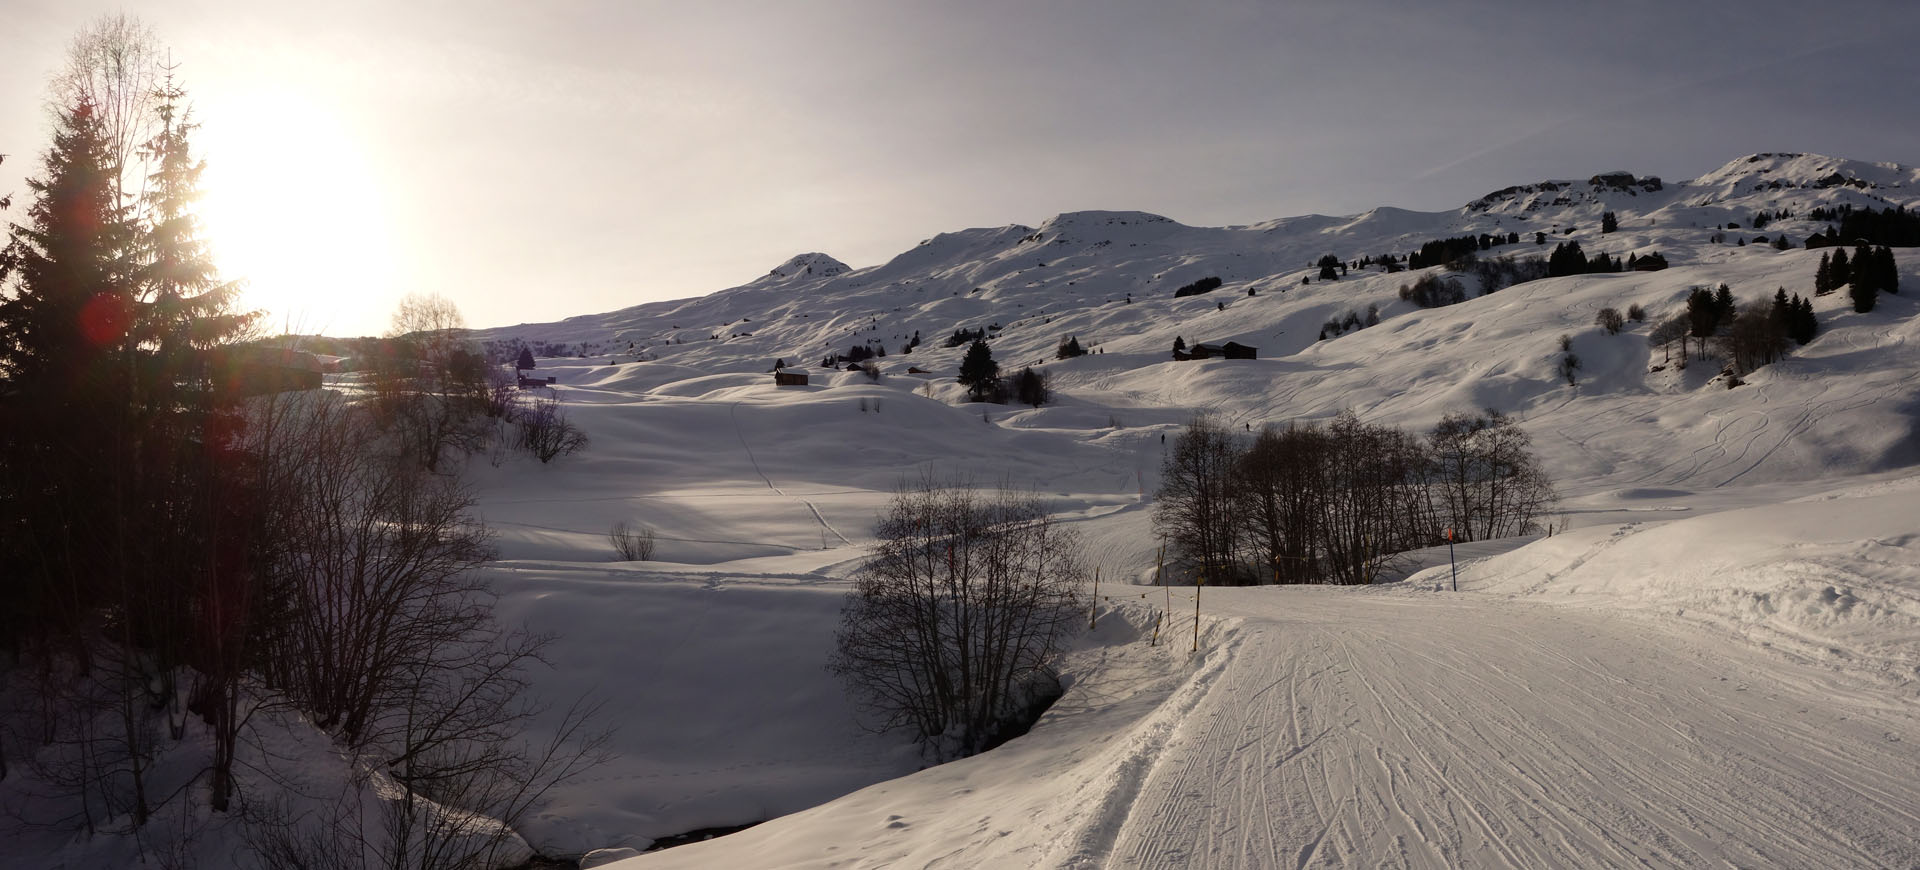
[(786, 378), (1229, 350)]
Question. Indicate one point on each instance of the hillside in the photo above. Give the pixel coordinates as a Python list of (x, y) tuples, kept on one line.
[(1108, 280), (1714, 659)]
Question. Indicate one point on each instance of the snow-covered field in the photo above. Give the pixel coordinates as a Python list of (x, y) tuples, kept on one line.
[(1715, 661)]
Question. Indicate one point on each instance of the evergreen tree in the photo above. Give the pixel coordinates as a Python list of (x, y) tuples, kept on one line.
[(1069, 348), (978, 371), (188, 309), (1841, 274), (1823, 277), (1800, 322), (1608, 222), (1179, 345), (1864, 296), (526, 360), (76, 248), (1703, 314), (1723, 302), (1566, 259), (1031, 387)]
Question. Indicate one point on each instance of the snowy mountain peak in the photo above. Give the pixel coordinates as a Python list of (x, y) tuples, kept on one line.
[(813, 265), (1767, 173), (1094, 227), (1604, 188)]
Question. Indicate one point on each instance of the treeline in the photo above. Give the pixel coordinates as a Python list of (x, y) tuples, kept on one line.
[(1893, 226), (1568, 259), (1204, 285), (1333, 504), (1441, 252), (1866, 275), (1750, 335)]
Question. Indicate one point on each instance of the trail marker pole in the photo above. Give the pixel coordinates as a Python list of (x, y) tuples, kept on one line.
[(1450, 563), (1199, 582), (1093, 606), (1159, 567)]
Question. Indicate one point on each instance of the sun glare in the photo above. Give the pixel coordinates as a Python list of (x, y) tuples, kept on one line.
[(292, 207)]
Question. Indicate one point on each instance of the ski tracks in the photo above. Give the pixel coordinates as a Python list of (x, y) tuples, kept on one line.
[(733, 414), (1367, 729)]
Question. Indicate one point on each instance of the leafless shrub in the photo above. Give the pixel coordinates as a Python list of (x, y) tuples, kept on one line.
[(1194, 510), (633, 544), (379, 630), (545, 430), (955, 620), (1486, 483), (1610, 320)]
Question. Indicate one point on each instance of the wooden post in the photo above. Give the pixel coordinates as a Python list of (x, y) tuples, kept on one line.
[(1450, 563), (1093, 606), (1201, 581), (1160, 576)]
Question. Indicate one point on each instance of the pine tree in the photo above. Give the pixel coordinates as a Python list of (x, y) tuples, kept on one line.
[(1608, 222), (1800, 321), (978, 371), (188, 309), (1823, 277), (526, 360), (77, 248), (1863, 296), (1841, 274), (1179, 346), (1031, 387)]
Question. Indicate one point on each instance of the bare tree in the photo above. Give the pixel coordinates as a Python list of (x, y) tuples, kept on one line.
[(432, 390), (379, 630), (114, 65), (1486, 483), (955, 620), (1755, 339), (1194, 509), (1283, 487), (545, 430), (431, 321), (1375, 495), (634, 544)]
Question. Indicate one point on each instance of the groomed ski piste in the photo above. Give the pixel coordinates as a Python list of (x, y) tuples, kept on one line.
[(1714, 661)]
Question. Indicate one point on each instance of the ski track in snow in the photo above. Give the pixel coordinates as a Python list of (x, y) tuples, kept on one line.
[(733, 416), (1360, 729)]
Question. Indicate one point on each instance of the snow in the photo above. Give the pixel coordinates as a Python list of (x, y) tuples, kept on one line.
[(1713, 661)]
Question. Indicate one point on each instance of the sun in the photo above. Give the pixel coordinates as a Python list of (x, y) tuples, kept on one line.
[(291, 205)]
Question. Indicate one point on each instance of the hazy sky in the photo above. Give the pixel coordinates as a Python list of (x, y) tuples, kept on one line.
[(539, 160)]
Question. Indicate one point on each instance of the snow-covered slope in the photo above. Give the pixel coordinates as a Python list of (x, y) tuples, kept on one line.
[(1711, 663)]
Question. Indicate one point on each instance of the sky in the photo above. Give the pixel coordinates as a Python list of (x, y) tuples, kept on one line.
[(537, 161)]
